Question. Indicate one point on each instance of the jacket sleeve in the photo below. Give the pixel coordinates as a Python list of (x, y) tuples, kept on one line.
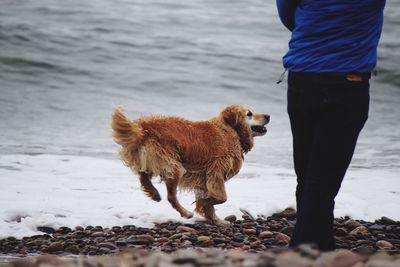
[(286, 11)]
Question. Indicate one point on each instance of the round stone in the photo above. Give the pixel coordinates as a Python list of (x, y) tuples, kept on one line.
[(360, 230), (55, 247), (185, 229), (250, 231), (383, 244), (203, 238), (282, 238), (230, 218), (352, 224), (266, 234)]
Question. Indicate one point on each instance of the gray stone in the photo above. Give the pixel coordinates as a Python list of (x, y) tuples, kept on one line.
[(140, 240), (387, 220), (352, 224), (108, 245), (185, 229), (46, 229), (55, 247), (230, 218)]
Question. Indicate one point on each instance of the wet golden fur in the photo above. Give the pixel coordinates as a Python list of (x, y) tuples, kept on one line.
[(196, 156)]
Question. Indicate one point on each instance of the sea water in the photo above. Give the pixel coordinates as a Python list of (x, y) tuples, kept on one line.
[(65, 64)]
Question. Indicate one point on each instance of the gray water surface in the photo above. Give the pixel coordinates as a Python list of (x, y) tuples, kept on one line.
[(65, 64)]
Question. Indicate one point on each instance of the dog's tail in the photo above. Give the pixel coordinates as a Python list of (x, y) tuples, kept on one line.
[(125, 132)]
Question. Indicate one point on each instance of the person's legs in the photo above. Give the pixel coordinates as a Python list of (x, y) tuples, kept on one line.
[(339, 111), (301, 100)]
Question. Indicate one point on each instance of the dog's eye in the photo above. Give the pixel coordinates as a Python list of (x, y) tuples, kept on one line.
[(249, 113)]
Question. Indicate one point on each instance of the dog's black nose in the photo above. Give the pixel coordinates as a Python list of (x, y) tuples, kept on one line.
[(267, 118)]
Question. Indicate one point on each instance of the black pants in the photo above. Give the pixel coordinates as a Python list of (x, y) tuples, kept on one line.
[(327, 113)]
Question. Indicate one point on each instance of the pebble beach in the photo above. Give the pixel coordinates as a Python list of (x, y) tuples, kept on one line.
[(247, 241)]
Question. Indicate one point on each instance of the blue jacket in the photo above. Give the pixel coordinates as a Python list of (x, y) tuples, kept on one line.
[(338, 36)]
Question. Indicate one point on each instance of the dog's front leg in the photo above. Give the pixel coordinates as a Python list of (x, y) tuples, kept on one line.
[(215, 195), (205, 207)]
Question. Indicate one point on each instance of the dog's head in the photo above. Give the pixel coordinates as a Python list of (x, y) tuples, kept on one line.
[(246, 123)]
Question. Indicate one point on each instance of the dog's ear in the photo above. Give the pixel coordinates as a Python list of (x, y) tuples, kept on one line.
[(235, 119), (230, 117)]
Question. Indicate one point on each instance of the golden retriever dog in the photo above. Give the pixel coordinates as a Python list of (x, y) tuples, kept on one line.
[(197, 156)]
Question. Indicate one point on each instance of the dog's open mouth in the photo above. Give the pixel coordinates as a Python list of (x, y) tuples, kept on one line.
[(259, 129)]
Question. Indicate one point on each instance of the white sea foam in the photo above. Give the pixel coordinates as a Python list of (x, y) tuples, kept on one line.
[(50, 190)]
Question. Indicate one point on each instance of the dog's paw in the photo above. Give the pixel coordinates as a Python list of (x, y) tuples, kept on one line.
[(187, 214), (156, 197)]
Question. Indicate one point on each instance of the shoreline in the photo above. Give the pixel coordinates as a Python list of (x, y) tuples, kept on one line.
[(248, 234)]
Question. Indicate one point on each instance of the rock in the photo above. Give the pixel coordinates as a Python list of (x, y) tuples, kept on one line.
[(203, 238), (186, 244), (265, 234), (247, 214), (308, 250), (377, 227), (108, 245), (382, 260), (345, 258), (153, 260), (22, 263), (340, 231), (291, 259), (282, 238), (246, 247), (104, 250), (72, 249), (46, 229), (116, 229), (255, 244), (97, 234), (236, 255), (387, 220), (360, 230), (383, 244), (288, 230), (352, 224), (365, 249), (186, 258), (48, 260), (230, 218), (250, 231), (140, 239), (185, 229), (288, 213), (207, 243), (175, 236), (64, 230), (358, 264), (220, 240), (248, 225), (162, 240), (55, 247), (338, 258)]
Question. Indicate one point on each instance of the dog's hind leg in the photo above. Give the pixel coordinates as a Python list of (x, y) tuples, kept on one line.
[(147, 187), (171, 190)]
